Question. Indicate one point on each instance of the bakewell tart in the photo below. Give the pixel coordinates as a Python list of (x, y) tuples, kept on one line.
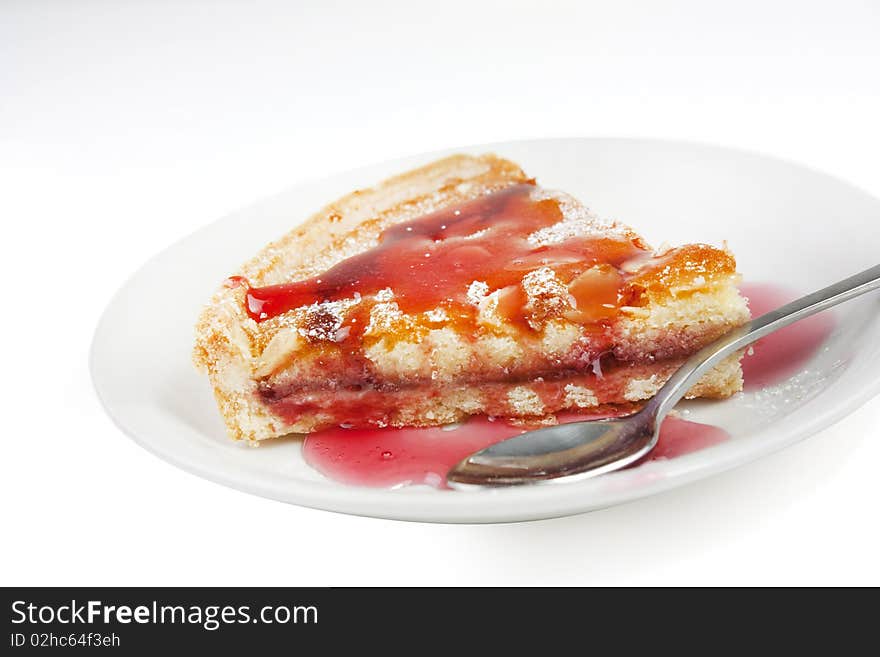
[(455, 289)]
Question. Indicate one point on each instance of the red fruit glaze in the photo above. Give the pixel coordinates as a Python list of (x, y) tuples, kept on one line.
[(431, 261)]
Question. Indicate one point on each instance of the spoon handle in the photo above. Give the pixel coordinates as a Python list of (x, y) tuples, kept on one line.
[(710, 355)]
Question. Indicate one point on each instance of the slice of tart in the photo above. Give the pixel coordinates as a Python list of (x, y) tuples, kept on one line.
[(456, 289)]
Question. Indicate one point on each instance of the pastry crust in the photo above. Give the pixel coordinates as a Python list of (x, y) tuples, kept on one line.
[(288, 374), (228, 342)]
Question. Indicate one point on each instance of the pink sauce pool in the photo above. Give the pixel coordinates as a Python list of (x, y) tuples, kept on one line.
[(784, 353), (388, 458)]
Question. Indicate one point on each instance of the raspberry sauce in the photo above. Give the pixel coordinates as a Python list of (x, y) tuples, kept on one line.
[(390, 458), (784, 353)]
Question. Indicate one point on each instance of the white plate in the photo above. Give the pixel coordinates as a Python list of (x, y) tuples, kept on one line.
[(786, 224)]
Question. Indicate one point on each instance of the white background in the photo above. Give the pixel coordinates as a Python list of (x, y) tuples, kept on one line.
[(126, 125)]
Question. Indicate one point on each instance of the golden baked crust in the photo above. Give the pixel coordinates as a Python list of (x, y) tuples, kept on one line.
[(293, 372), (228, 341)]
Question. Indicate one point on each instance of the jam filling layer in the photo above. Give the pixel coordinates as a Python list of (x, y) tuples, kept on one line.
[(372, 404)]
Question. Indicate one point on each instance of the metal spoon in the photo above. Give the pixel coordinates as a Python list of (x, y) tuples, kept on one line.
[(585, 449)]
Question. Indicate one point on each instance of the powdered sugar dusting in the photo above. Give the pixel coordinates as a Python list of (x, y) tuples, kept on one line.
[(437, 315), (791, 393), (543, 282), (384, 295), (578, 221), (477, 292), (322, 321), (386, 318)]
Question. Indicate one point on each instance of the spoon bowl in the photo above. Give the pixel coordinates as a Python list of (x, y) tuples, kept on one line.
[(546, 455)]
